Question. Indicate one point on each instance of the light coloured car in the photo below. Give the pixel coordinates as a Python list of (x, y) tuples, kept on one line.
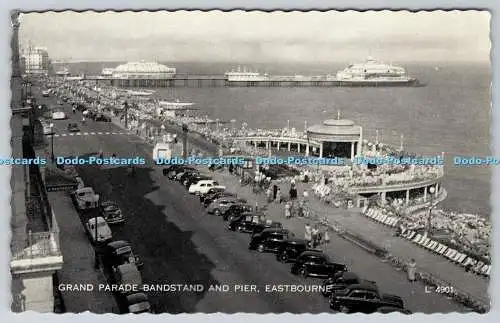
[(59, 115), (221, 205), (103, 231), (85, 198), (202, 185)]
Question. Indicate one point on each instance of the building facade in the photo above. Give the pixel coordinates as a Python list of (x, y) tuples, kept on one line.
[(36, 60)]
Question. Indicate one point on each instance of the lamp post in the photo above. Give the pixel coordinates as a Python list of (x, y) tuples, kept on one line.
[(96, 254), (52, 157), (126, 114), (185, 130), (432, 190)]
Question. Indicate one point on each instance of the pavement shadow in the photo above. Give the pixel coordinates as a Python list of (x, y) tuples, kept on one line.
[(169, 255)]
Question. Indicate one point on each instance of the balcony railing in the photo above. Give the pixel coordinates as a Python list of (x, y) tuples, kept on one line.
[(36, 245)]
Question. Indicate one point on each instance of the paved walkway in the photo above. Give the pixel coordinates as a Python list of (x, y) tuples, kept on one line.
[(370, 230), (78, 265)]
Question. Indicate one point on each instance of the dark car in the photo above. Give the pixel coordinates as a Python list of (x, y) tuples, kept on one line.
[(342, 280), (120, 252), (186, 174), (211, 191), (111, 212), (236, 210), (214, 196), (138, 303), (268, 240), (244, 222), (363, 298), (315, 264), (173, 170), (73, 127), (102, 117), (291, 249), (266, 225)]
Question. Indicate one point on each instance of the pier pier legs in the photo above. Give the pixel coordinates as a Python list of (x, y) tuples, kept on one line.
[(407, 197), (352, 151), (307, 150), (321, 150), (425, 195), (255, 144), (278, 144), (289, 146)]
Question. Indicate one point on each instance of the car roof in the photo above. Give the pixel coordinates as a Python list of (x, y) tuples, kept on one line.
[(365, 285), (349, 275), (313, 253), (119, 244), (295, 241)]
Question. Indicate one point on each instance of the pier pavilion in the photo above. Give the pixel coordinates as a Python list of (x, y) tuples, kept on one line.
[(337, 138)]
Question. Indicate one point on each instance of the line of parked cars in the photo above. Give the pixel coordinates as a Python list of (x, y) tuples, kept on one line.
[(346, 291), (117, 257)]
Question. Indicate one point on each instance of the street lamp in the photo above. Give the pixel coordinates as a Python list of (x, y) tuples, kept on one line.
[(126, 114), (432, 190), (52, 157), (96, 254), (185, 130)]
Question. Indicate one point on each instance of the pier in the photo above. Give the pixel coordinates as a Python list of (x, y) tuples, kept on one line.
[(220, 80)]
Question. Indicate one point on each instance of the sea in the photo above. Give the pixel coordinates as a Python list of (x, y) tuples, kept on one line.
[(452, 114)]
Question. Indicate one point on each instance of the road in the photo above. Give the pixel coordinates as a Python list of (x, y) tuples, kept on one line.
[(179, 244)]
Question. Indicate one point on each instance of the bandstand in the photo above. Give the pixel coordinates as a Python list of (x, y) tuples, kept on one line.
[(337, 138)]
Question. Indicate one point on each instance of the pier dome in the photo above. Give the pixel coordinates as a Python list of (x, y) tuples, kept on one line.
[(143, 70)]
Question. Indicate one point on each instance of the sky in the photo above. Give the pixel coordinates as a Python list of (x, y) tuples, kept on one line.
[(240, 36)]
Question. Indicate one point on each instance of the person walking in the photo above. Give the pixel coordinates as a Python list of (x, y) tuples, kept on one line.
[(308, 234), (288, 213), (315, 236), (275, 192), (278, 196), (326, 236), (269, 195), (411, 270)]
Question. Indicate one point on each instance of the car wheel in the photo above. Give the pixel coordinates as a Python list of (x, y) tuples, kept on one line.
[(217, 212), (240, 229), (344, 309), (283, 257), (260, 248), (303, 272)]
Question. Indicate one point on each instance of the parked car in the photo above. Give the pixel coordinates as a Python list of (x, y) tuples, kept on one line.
[(120, 252), (183, 176), (220, 206), (209, 198), (236, 210), (111, 212), (315, 264), (245, 222), (202, 185), (102, 117), (103, 231), (258, 228), (291, 249), (342, 280), (73, 127), (211, 191), (59, 115), (363, 298), (85, 198), (127, 275), (268, 240), (194, 179), (138, 303)]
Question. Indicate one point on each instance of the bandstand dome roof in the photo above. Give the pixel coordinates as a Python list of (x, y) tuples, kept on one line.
[(143, 67), (335, 127)]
